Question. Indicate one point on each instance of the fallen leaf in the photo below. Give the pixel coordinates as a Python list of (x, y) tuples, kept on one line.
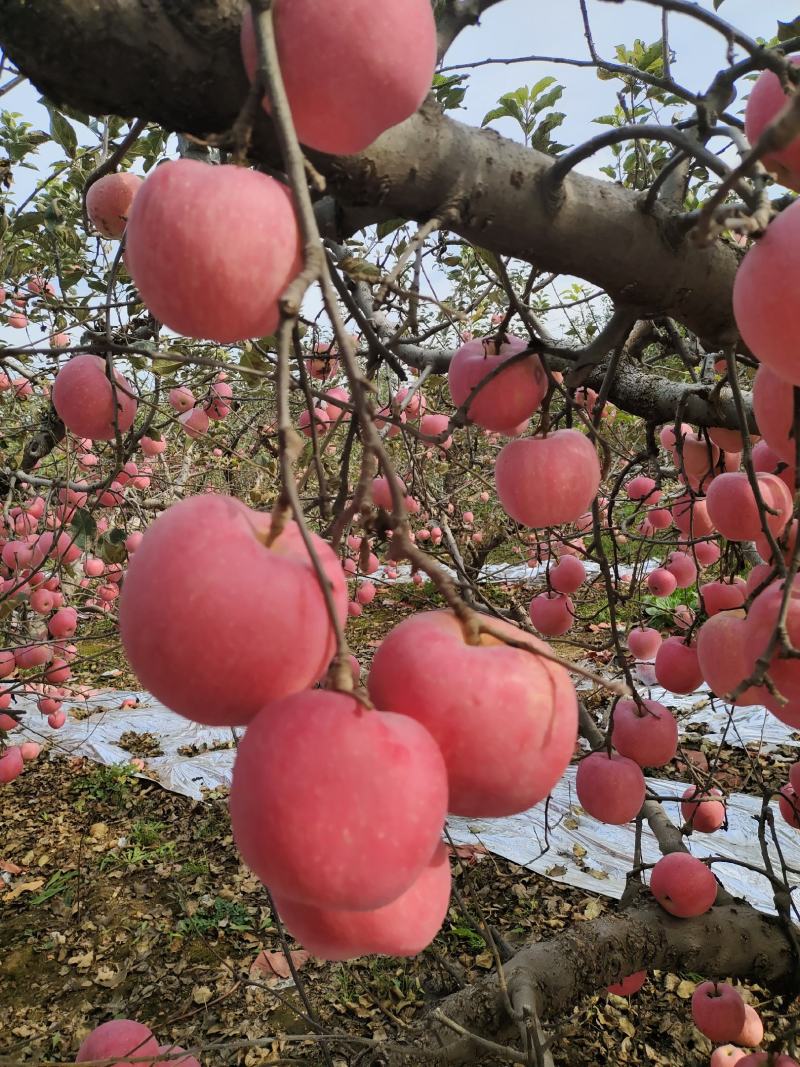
[(83, 960), (626, 1026), (109, 978), (686, 988), (593, 909), (469, 853), (275, 964), (24, 887), (201, 994)]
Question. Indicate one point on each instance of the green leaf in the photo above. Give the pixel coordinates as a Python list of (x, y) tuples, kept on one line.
[(84, 527), (787, 30), (513, 107), (166, 365), (488, 257), (718, 4), (542, 84), (62, 132), (541, 138), (112, 546), (654, 56), (251, 360), (450, 90), (548, 99), (360, 269), (73, 113), (385, 228), (31, 220), (495, 113)]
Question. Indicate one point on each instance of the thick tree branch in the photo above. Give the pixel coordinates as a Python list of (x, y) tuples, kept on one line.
[(637, 391), (177, 62), (656, 399), (731, 941)]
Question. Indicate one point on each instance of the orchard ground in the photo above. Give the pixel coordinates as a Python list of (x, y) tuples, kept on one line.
[(121, 897)]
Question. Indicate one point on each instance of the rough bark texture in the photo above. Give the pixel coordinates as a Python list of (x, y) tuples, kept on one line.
[(177, 62), (656, 398), (639, 392), (731, 941)]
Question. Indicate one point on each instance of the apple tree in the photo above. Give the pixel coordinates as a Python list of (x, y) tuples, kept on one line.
[(288, 330)]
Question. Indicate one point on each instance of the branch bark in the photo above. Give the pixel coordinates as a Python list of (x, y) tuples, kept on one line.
[(639, 392), (730, 941), (177, 62)]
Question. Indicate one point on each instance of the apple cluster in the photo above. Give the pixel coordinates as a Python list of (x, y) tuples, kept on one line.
[(337, 807)]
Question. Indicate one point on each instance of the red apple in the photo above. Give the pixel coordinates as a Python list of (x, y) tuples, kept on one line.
[(404, 927), (334, 805), (426, 669), (215, 622), (548, 481), (683, 885), (109, 200), (212, 249), (329, 55), (610, 788)]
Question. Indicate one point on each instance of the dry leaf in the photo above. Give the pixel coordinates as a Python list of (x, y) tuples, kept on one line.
[(109, 978), (83, 959), (593, 909), (201, 994), (24, 887), (469, 853), (686, 988), (275, 964)]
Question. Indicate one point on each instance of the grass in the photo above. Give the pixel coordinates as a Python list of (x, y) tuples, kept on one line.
[(222, 915), (136, 856), (467, 934), (55, 884), (193, 868), (146, 832), (207, 828), (107, 785)]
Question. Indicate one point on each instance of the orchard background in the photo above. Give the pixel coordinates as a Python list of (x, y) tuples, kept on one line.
[(431, 430)]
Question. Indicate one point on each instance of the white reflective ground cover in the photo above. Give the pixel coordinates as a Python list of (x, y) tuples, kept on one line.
[(561, 842)]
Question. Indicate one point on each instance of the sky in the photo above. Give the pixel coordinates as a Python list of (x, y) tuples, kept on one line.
[(528, 27), (542, 27)]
